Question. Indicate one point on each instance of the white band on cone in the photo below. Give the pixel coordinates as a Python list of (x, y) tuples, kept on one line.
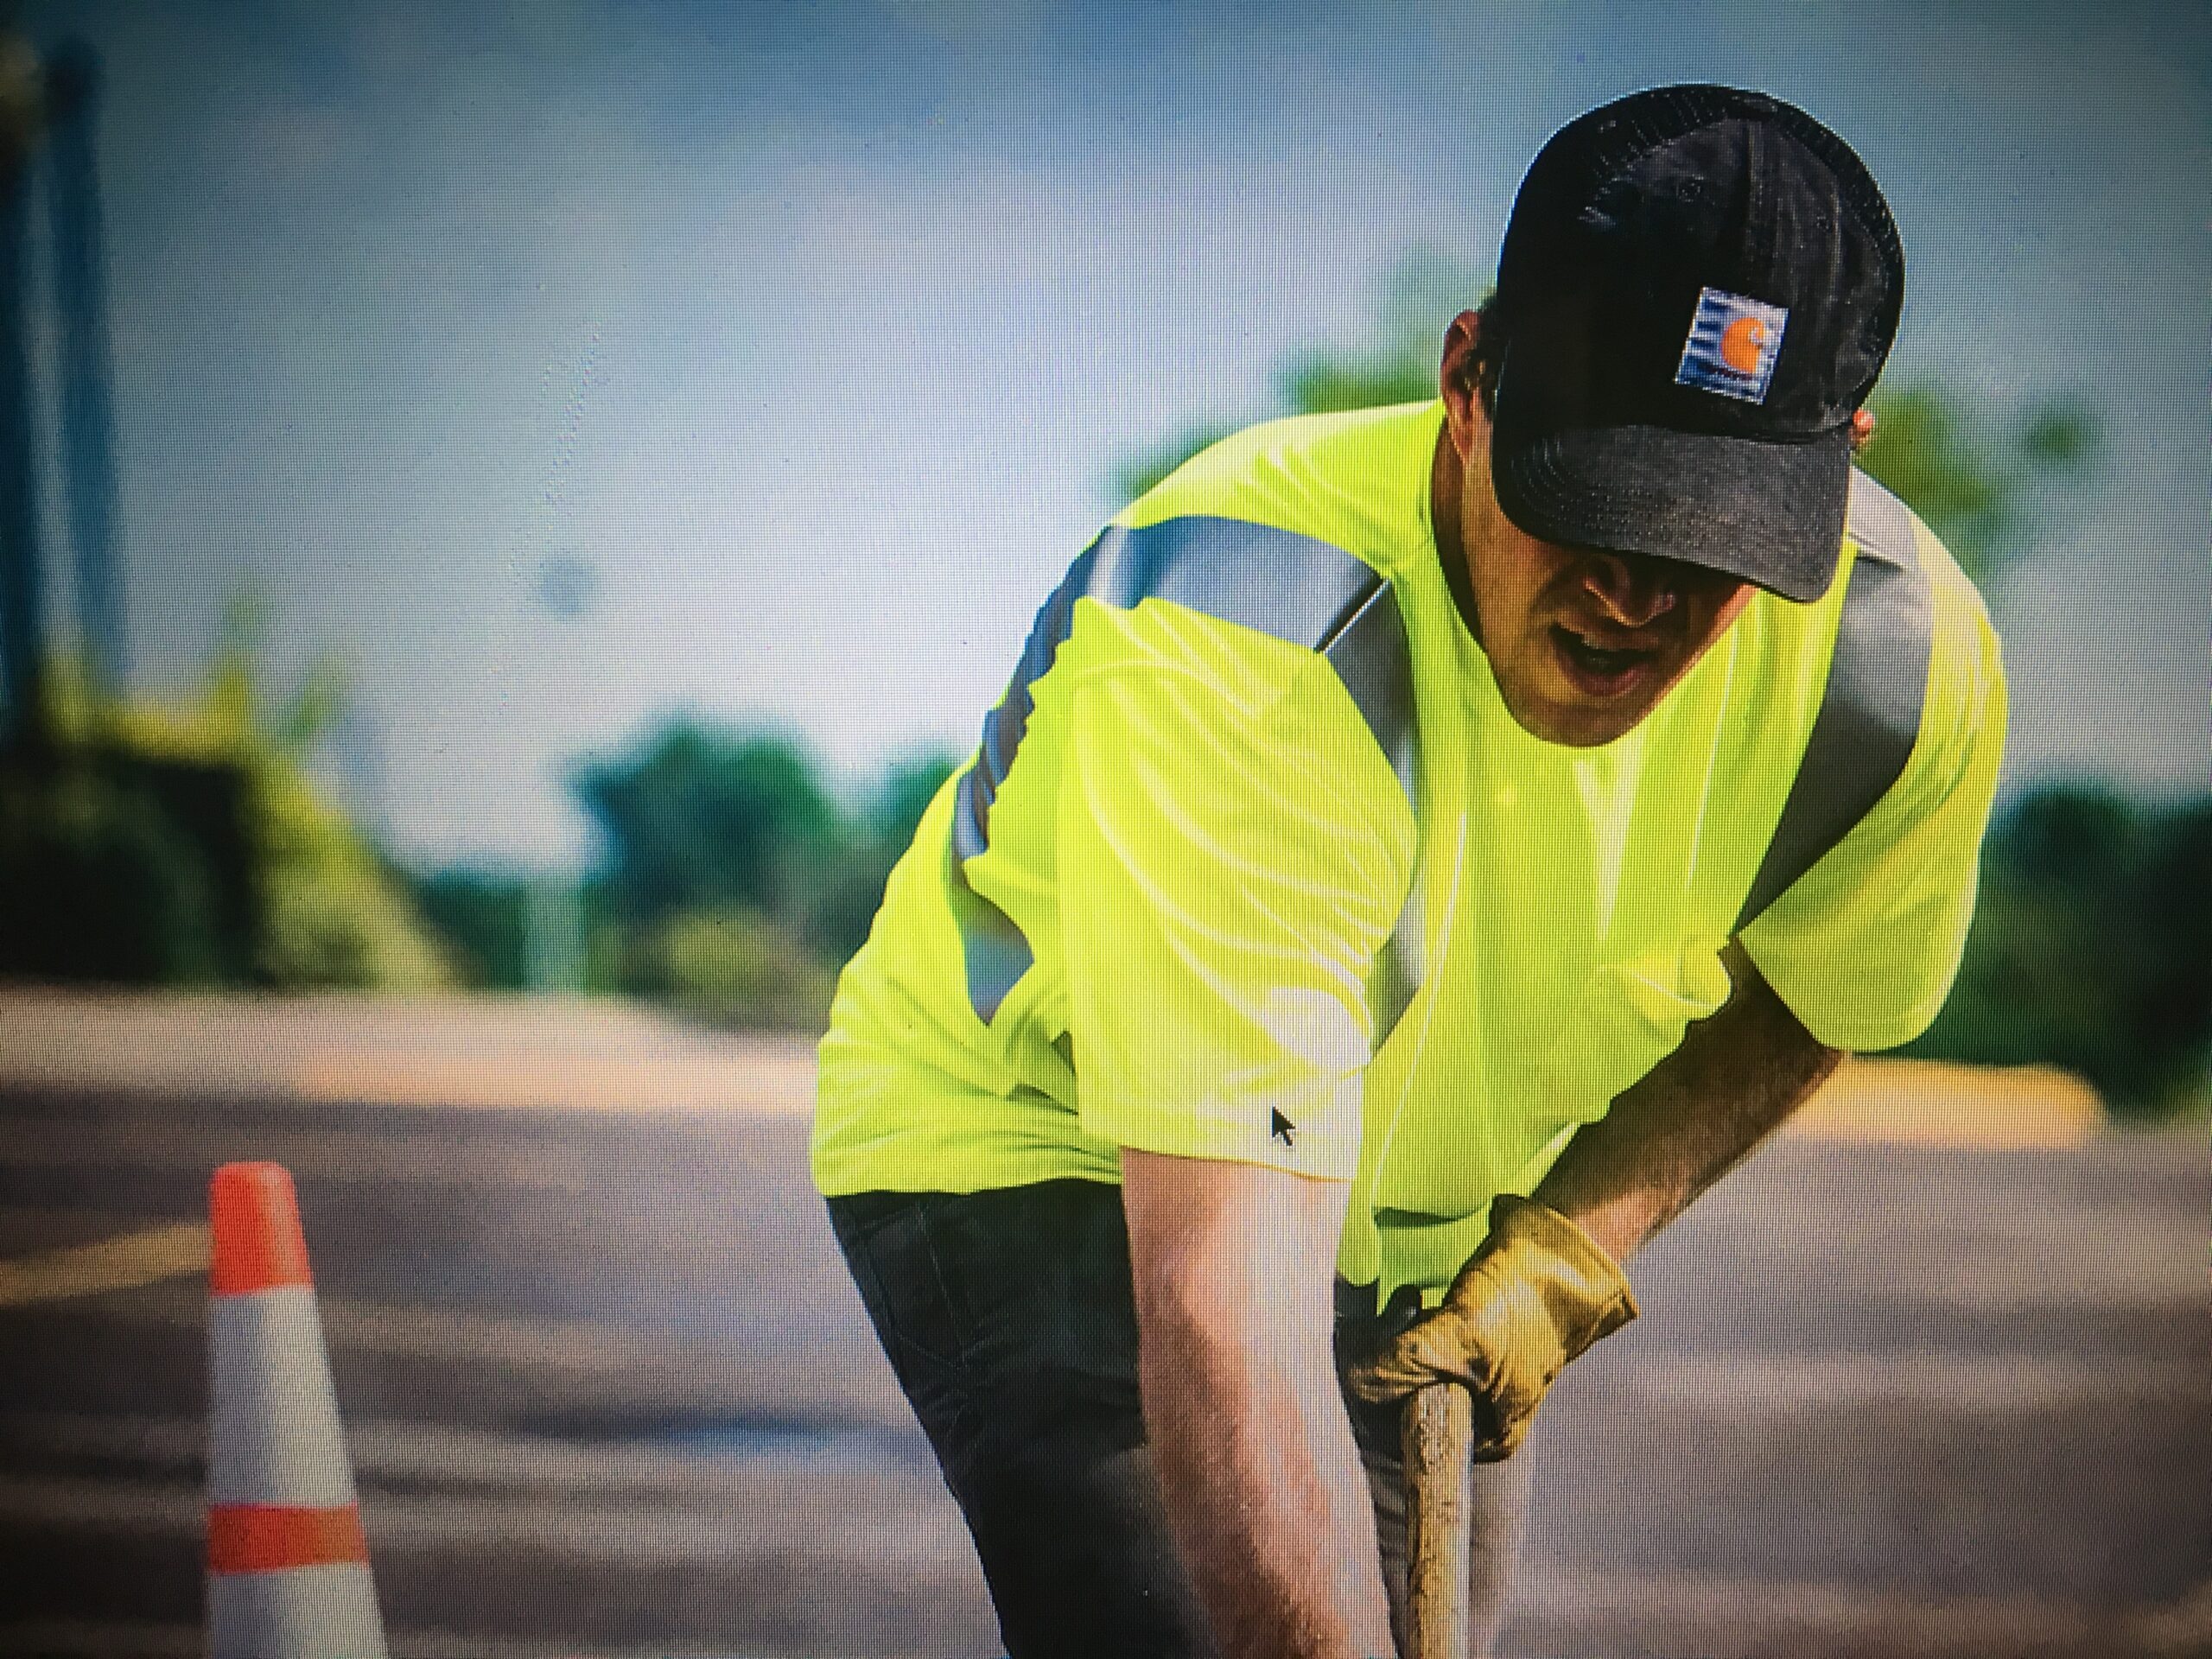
[(273, 1435), (307, 1613)]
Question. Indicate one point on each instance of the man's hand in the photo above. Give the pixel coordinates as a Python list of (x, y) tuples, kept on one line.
[(1547, 1282), (1536, 1293), (1233, 1267)]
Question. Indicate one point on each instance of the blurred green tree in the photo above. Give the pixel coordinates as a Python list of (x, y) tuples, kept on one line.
[(852, 888), (1992, 493), (2089, 948), (904, 793), (126, 847), (700, 818), (730, 966), (98, 883), (481, 916), (732, 884), (336, 913)]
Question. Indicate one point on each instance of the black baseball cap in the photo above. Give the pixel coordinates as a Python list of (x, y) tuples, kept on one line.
[(1697, 290)]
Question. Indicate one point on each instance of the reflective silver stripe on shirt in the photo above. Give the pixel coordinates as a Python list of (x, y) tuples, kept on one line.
[(1870, 712), (1369, 655), (1294, 588)]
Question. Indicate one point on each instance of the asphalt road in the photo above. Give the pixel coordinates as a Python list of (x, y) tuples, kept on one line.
[(608, 1391)]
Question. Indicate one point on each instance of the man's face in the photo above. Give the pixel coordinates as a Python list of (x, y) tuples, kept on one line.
[(1583, 642)]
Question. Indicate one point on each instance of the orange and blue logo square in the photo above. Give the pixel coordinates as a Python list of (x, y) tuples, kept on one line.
[(1732, 344)]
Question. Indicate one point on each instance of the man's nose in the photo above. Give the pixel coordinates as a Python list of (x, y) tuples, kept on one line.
[(1632, 589)]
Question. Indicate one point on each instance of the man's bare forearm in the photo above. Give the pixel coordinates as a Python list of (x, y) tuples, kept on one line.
[(1257, 1464), (1264, 1488), (1734, 1079)]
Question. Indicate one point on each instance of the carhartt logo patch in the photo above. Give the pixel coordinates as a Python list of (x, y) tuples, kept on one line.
[(1732, 344), (1282, 1130)]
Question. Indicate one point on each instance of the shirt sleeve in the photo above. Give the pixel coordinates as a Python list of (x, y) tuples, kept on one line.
[(1864, 946), (1233, 851)]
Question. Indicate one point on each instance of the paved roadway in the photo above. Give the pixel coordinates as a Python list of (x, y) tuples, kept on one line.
[(608, 1392)]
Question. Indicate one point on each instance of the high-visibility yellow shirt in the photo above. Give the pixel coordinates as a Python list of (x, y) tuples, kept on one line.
[(1253, 863)]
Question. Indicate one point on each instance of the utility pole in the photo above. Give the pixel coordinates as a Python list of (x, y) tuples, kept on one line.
[(73, 87), (23, 104)]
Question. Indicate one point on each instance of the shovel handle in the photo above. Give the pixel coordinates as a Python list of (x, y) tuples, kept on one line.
[(1435, 1433)]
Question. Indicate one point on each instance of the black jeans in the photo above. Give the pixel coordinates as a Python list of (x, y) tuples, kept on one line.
[(1008, 1319)]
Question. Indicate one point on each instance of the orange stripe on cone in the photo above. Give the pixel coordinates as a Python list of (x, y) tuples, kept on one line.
[(271, 1537), (288, 1568), (255, 1217)]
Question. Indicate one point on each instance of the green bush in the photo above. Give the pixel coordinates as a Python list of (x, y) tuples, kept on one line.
[(2090, 949), (333, 916), (700, 818), (483, 922), (97, 884), (731, 967), (326, 911), (733, 883), (848, 887)]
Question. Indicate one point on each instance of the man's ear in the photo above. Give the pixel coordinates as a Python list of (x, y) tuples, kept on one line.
[(1456, 379)]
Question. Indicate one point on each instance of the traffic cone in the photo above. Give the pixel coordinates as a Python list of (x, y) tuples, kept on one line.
[(288, 1568)]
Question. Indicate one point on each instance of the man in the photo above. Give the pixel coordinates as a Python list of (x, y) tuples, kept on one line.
[(1418, 850)]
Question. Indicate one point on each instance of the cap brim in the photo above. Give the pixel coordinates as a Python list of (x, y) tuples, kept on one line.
[(1771, 513)]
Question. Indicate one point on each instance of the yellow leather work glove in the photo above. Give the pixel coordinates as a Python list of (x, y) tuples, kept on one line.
[(1538, 1292)]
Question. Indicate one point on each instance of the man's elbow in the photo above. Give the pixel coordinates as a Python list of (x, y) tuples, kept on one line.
[(1205, 1331), (1230, 1268)]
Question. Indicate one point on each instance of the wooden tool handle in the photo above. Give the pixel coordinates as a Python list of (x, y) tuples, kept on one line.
[(1436, 1430)]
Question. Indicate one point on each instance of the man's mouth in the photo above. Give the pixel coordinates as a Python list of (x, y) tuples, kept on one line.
[(1600, 669)]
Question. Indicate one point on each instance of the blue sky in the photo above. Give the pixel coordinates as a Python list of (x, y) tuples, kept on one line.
[(817, 330)]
